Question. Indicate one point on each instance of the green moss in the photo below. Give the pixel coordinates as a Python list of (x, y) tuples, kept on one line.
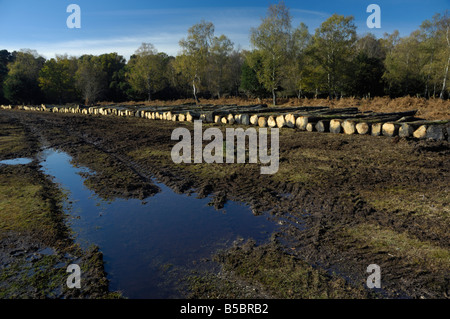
[(12, 140), (28, 203), (377, 238), (275, 273)]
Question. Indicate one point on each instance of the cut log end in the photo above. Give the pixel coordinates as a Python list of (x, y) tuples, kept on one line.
[(336, 126), (262, 122), (363, 128), (349, 127), (421, 132), (390, 129)]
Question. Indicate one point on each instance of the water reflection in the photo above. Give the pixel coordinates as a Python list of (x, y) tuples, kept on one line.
[(16, 161), (139, 239)]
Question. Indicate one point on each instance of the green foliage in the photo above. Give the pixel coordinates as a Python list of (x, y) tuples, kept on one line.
[(367, 77), (5, 58), (284, 61), (21, 84), (57, 79), (91, 80), (272, 39), (147, 71), (334, 48), (113, 65), (250, 83), (195, 51)]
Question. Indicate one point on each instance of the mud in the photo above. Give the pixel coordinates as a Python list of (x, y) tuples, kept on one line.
[(328, 188)]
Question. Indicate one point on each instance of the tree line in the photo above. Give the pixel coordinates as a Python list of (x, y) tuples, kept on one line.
[(284, 61)]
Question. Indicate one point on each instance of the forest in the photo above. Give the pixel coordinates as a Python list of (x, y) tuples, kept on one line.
[(284, 61)]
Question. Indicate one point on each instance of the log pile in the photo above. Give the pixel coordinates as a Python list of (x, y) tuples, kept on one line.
[(350, 121)]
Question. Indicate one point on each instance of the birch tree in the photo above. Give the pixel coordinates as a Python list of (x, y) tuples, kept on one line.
[(195, 50), (272, 39), (219, 61), (146, 73), (444, 25), (296, 70), (334, 48)]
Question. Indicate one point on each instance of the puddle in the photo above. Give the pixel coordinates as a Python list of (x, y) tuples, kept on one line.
[(139, 239), (17, 161)]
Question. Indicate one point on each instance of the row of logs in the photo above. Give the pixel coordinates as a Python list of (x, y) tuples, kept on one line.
[(375, 124)]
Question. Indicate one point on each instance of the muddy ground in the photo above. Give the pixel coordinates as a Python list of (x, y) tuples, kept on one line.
[(346, 202)]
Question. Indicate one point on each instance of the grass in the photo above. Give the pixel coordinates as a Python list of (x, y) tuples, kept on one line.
[(274, 272), (415, 251), (424, 202), (26, 204), (31, 212), (41, 278), (12, 140)]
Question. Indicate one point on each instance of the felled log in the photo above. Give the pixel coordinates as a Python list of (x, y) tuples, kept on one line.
[(245, 119), (390, 129), (262, 121), (310, 127), (254, 119), (363, 128), (448, 131), (271, 122), (192, 116), (323, 126), (421, 132), (329, 115), (301, 123), (406, 130), (436, 132), (280, 121), (336, 126), (290, 120), (207, 117), (230, 119), (419, 129), (376, 129), (349, 127)]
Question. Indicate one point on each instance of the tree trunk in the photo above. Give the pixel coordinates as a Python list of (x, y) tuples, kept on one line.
[(195, 91), (444, 83)]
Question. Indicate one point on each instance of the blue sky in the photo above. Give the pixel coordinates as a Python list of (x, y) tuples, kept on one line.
[(121, 26)]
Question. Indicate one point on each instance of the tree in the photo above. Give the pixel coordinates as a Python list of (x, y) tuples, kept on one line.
[(21, 84), (250, 83), (233, 72), (113, 65), (404, 67), (90, 79), (147, 70), (57, 79), (297, 68), (272, 39), (219, 62), (194, 58), (368, 76), (368, 67), (444, 34), (5, 58), (334, 48)]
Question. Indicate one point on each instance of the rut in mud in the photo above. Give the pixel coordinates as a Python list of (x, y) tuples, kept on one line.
[(347, 201)]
